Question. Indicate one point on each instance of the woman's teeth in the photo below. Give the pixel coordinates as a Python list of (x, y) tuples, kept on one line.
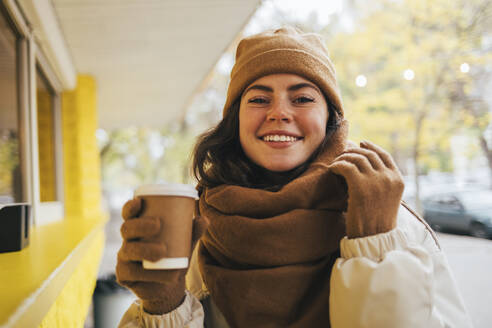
[(279, 138)]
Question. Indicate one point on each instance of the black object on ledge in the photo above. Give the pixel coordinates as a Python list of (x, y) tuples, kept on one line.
[(14, 226)]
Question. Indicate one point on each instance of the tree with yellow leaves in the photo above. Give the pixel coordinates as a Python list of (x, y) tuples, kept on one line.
[(409, 74)]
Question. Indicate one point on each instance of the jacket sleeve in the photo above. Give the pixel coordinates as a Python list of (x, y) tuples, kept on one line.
[(396, 279), (188, 315)]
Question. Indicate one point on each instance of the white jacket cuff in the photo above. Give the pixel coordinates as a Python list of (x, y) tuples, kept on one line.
[(373, 247), (189, 315)]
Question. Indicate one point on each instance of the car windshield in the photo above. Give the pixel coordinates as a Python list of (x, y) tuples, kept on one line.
[(475, 199)]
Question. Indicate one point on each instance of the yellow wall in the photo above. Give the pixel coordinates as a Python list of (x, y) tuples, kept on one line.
[(82, 199), (80, 151), (71, 306), (46, 145)]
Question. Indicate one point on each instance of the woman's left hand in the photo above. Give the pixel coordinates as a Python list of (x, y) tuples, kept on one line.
[(375, 187)]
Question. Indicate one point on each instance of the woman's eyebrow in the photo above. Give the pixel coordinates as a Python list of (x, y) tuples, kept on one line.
[(303, 85), (291, 88)]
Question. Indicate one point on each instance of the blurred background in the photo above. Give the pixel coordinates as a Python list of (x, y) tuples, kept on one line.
[(415, 76)]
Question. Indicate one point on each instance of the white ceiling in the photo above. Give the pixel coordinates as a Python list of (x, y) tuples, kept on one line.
[(148, 56)]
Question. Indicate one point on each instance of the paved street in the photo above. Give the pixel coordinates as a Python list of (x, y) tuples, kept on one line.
[(471, 261)]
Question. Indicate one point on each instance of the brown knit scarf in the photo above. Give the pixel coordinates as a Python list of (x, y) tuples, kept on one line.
[(266, 257)]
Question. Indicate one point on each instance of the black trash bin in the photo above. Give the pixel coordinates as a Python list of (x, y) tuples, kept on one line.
[(110, 302)]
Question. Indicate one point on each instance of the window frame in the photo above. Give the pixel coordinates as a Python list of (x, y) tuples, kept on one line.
[(47, 212), (30, 57), (20, 29)]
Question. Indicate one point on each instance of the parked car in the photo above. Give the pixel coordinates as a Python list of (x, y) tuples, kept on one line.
[(464, 211)]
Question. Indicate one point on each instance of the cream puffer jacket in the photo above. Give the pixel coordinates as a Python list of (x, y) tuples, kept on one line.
[(396, 279)]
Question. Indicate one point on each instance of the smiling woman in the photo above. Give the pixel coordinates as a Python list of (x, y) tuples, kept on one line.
[(295, 225)]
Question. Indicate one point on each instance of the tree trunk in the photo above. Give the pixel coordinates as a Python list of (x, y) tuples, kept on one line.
[(396, 153), (488, 154), (416, 153)]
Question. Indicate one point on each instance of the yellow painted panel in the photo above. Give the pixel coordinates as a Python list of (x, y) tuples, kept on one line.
[(32, 278), (71, 307), (46, 139), (81, 155)]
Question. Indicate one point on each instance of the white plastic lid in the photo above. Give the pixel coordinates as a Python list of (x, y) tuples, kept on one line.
[(167, 189)]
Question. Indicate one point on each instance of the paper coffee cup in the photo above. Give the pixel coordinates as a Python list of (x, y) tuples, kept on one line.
[(174, 205)]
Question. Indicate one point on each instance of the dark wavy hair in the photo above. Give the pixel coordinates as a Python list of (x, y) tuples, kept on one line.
[(218, 157)]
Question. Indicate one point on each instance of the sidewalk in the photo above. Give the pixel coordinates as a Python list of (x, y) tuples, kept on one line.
[(471, 261)]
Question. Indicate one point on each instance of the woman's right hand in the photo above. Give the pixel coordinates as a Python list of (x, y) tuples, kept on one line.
[(161, 291)]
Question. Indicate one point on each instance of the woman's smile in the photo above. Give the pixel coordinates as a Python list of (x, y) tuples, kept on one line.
[(280, 139)]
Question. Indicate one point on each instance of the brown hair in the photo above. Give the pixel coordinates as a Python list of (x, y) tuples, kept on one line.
[(218, 157)]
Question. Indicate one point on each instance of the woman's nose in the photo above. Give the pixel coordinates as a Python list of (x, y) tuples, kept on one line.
[(279, 112)]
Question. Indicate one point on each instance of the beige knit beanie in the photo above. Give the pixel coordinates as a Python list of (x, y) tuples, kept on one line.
[(286, 50)]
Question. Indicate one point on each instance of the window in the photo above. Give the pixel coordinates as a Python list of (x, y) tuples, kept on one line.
[(30, 128), (46, 138), (48, 175), (10, 154)]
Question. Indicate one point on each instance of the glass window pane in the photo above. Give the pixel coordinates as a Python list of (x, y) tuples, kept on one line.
[(10, 171), (46, 138)]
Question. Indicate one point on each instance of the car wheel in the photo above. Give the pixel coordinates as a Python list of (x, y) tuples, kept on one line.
[(478, 230)]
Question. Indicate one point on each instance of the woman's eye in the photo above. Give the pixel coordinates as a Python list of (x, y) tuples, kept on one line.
[(303, 100), (257, 101)]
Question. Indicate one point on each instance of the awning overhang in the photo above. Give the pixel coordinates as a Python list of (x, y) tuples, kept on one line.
[(148, 57)]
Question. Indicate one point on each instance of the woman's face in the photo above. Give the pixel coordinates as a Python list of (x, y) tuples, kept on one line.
[(282, 121)]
